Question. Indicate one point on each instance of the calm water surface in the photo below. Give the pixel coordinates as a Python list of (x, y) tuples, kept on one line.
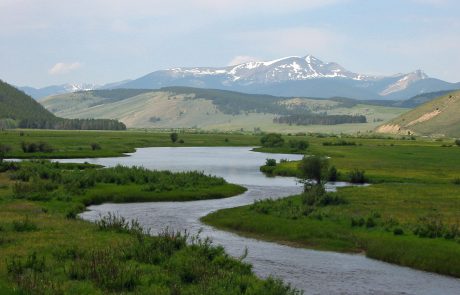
[(315, 272)]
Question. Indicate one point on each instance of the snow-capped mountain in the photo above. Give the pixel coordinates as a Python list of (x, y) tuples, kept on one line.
[(289, 76), (39, 93), (295, 76)]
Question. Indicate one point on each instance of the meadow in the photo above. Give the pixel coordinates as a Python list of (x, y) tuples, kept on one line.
[(409, 215), (46, 249)]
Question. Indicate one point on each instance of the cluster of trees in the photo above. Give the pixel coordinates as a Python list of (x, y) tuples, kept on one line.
[(19, 110), (320, 119)]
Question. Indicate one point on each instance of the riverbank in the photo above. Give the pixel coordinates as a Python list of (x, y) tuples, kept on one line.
[(96, 144), (45, 249), (408, 216)]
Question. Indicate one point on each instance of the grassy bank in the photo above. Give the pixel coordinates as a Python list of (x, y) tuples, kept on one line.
[(45, 249), (408, 216), (93, 144)]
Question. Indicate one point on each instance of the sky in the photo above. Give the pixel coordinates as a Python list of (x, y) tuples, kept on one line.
[(51, 42)]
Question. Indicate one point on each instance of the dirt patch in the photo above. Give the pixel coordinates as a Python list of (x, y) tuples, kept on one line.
[(424, 117)]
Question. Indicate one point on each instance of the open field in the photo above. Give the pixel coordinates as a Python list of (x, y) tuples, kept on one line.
[(410, 215)]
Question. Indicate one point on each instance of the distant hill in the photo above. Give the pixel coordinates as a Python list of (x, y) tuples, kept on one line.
[(17, 109), (212, 109), (438, 117)]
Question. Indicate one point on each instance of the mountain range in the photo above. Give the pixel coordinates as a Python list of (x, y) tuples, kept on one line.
[(290, 76)]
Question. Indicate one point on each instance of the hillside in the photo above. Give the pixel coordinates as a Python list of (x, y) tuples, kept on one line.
[(19, 110), (438, 117), (210, 109)]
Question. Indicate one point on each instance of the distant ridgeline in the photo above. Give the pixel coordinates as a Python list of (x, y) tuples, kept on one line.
[(320, 119), (18, 110)]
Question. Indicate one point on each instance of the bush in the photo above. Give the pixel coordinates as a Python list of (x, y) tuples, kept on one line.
[(24, 225), (313, 168), (398, 231), (456, 181), (95, 146), (357, 176), (299, 145), (173, 136), (457, 142), (270, 162), (36, 147), (181, 141), (333, 174), (339, 143), (272, 140), (113, 222)]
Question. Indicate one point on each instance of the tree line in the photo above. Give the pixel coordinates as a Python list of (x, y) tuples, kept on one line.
[(319, 119)]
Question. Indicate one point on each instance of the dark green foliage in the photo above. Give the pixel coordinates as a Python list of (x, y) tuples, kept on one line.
[(398, 231), (320, 119), (272, 140), (333, 174), (357, 176), (298, 145), (95, 146), (106, 268), (24, 225), (174, 136), (117, 223), (313, 168), (456, 181), (4, 149), (15, 105), (432, 226), (339, 143), (457, 142), (270, 162), (33, 147)]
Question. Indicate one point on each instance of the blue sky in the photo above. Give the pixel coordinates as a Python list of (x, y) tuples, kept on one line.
[(99, 41)]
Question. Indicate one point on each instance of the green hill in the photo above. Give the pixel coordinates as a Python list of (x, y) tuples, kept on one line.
[(210, 109), (438, 117), (19, 110)]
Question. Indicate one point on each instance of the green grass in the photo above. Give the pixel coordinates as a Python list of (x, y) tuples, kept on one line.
[(412, 180), (43, 251), (76, 144)]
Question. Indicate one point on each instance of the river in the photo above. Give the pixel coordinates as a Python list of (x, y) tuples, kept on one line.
[(315, 272)]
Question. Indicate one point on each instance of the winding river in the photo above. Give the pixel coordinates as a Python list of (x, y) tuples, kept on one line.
[(315, 272)]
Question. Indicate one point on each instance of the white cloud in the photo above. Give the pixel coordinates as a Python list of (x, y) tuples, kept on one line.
[(240, 59), (63, 68)]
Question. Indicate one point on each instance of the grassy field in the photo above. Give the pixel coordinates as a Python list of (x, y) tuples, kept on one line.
[(410, 215), (45, 249), (77, 144)]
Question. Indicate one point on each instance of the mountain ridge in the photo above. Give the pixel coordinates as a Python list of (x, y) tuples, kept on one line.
[(305, 76)]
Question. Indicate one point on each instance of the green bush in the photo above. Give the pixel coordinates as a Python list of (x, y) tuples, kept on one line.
[(270, 162), (357, 176), (272, 140), (24, 225), (298, 145), (457, 142)]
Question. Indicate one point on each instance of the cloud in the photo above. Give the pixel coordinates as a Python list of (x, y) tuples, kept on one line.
[(240, 59), (63, 68)]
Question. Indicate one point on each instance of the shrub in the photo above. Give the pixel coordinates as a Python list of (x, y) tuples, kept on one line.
[(357, 176), (370, 222), (272, 140), (333, 174), (113, 222), (313, 168), (181, 141), (299, 145), (456, 181), (36, 147), (270, 162), (339, 143), (457, 142), (24, 225), (95, 146), (398, 231), (173, 136), (4, 149)]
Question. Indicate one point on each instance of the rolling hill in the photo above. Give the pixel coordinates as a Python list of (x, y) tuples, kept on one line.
[(438, 117), (211, 109), (17, 109)]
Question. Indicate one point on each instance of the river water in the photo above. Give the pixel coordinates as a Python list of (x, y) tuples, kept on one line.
[(315, 272)]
